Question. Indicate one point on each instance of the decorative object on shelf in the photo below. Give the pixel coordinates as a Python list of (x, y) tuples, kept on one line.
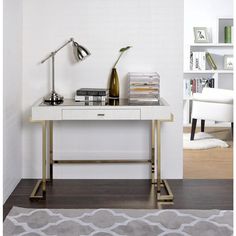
[(53, 98), (201, 35), (225, 29), (92, 94), (144, 87), (228, 62), (114, 79), (210, 61), (228, 34)]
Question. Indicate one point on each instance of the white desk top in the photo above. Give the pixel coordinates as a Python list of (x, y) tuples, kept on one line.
[(113, 110)]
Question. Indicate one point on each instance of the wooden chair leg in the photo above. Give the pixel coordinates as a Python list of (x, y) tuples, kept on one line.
[(232, 130), (194, 124), (202, 125)]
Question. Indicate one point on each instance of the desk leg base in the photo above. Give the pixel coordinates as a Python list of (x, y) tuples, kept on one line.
[(34, 195), (153, 180), (167, 198)]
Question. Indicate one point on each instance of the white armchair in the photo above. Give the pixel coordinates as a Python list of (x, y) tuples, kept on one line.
[(212, 104)]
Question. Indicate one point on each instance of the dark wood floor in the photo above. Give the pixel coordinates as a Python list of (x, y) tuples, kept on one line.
[(189, 194)]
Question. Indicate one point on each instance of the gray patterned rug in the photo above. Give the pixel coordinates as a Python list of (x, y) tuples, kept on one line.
[(106, 222)]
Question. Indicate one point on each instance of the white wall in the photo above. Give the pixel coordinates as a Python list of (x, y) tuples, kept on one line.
[(153, 28), (12, 95)]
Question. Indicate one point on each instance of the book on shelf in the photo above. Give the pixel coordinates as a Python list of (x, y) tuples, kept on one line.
[(197, 61), (196, 85), (210, 61), (90, 98), (92, 92)]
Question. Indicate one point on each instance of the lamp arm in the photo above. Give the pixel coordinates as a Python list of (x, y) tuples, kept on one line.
[(53, 53)]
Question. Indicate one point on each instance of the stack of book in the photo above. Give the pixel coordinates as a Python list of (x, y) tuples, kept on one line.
[(91, 95), (198, 61), (196, 85), (144, 87)]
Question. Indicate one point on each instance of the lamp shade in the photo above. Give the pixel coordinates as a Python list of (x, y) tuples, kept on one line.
[(80, 52)]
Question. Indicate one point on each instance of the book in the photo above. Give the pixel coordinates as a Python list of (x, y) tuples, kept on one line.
[(90, 98), (191, 61), (89, 103), (202, 63), (211, 61), (198, 61), (92, 92), (211, 83), (196, 85)]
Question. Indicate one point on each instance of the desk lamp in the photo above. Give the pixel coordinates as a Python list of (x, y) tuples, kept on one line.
[(53, 98)]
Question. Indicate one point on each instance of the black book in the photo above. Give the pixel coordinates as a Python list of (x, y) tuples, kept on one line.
[(212, 83), (92, 92)]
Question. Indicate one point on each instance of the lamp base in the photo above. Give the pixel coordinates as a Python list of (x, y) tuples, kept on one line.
[(53, 99)]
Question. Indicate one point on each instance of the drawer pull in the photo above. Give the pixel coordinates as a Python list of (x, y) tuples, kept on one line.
[(100, 114)]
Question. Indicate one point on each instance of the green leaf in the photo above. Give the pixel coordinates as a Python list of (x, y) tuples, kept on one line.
[(124, 49)]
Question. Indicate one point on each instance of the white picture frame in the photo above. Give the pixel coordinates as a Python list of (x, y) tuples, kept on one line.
[(228, 62), (201, 35)]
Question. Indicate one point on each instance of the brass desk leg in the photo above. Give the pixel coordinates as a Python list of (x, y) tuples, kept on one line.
[(42, 182), (51, 149), (153, 180), (168, 198), (155, 153)]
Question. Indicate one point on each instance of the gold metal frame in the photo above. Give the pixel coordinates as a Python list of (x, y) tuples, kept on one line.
[(51, 149), (160, 184), (42, 183), (155, 163), (100, 161)]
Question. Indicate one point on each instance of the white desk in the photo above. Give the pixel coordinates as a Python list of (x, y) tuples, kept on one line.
[(115, 110)]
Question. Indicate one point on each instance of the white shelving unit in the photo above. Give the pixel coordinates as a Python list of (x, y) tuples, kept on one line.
[(223, 78)]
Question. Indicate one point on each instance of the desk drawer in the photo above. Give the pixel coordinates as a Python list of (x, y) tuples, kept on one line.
[(116, 114)]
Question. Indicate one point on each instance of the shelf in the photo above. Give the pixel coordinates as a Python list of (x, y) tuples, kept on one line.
[(209, 72), (187, 98), (212, 45)]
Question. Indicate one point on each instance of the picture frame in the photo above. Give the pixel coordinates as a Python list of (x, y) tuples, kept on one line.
[(228, 62), (201, 35)]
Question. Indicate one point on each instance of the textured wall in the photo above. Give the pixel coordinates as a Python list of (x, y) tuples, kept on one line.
[(153, 28)]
